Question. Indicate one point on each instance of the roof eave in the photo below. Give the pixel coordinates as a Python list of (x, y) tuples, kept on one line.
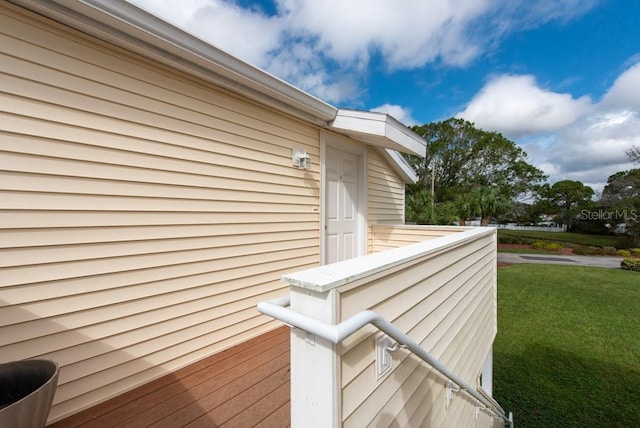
[(400, 165), (134, 29), (378, 129)]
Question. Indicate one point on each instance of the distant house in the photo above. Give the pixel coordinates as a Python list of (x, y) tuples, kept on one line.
[(155, 189)]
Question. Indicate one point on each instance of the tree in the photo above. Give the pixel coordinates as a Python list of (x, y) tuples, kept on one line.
[(569, 197), (464, 206), (461, 159), (489, 203), (634, 154), (418, 206), (520, 212), (621, 198), (464, 157), (622, 187), (484, 202)]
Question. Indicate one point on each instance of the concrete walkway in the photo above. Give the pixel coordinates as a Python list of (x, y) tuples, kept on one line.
[(561, 259)]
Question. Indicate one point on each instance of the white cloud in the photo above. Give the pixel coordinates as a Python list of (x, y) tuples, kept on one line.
[(248, 34), (402, 114), (598, 140), (625, 92), (592, 147), (342, 36), (178, 14), (412, 35), (517, 15), (417, 32), (517, 106)]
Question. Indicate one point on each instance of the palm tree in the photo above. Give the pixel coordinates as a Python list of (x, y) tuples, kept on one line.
[(418, 207), (490, 203), (466, 206), (482, 201)]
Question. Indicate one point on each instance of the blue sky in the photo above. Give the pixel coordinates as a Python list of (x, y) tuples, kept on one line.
[(559, 77)]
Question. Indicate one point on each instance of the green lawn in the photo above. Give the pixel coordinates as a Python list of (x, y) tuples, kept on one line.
[(569, 238), (567, 352)]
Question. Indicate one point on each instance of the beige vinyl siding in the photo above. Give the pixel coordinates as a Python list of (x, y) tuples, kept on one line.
[(143, 214), (385, 194), (386, 237), (447, 302)]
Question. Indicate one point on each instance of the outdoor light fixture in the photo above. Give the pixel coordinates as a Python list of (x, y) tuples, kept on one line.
[(300, 158)]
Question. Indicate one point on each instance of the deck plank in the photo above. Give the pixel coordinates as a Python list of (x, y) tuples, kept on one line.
[(227, 410), (214, 390), (280, 418), (205, 401), (267, 405)]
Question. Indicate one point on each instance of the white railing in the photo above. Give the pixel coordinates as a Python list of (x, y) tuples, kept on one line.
[(336, 333), (438, 285)]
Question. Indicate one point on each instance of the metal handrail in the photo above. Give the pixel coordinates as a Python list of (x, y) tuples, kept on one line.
[(336, 333)]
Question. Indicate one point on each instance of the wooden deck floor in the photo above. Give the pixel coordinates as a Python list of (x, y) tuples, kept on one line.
[(245, 386)]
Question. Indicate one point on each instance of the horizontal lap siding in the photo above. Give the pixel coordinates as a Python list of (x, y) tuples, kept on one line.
[(385, 194), (386, 237), (143, 215), (447, 303)]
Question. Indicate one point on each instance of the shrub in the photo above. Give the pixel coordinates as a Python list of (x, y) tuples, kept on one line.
[(589, 251), (636, 251), (624, 253), (630, 264), (547, 246), (506, 239), (538, 245), (553, 246), (609, 251)]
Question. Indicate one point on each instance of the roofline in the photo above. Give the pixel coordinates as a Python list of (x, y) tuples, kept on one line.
[(132, 28), (401, 166), (136, 30)]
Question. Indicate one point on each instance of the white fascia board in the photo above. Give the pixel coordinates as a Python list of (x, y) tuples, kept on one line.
[(400, 165), (132, 28), (378, 129)]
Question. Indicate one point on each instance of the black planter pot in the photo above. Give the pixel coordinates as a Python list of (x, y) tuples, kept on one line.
[(26, 392)]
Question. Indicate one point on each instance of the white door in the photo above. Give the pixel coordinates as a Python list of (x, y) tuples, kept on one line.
[(342, 238)]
